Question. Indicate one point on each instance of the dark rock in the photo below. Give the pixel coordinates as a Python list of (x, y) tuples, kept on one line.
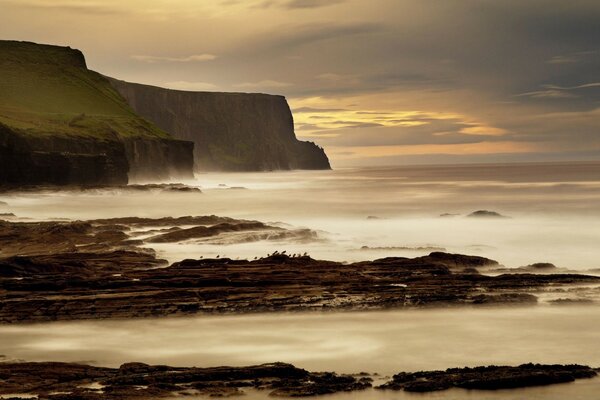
[(448, 215), (568, 302), (488, 378), (459, 260), (485, 214), (95, 286), (137, 380)]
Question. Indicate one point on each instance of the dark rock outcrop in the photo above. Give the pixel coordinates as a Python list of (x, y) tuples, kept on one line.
[(486, 214), (62, 124), (98, 269), (55, 160), (62, 381), (488, 378), (134, 380), (231, 131)]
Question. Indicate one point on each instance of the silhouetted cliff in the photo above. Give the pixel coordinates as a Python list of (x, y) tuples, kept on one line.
[(231, 131), (61, 123)]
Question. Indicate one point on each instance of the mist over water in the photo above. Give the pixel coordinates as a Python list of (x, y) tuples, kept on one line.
[(553, 208)]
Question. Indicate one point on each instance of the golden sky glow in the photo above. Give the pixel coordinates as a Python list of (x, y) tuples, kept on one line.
[(377, 82)]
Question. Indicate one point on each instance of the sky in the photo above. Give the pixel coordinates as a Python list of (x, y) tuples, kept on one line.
[(375, 82)]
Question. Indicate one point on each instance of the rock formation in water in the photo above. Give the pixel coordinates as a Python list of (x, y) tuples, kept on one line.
[(135, 381), (488, 378), (61, 124), (231, 131), (103, 268), (64, 381)]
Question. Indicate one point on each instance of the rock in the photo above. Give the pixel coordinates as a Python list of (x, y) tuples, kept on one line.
[(459, 260), (485, 214), (137, 380), (536, 268), (568, 302), (448, 215), (121, 285), (539, 267), (231, 131), (488, 378), (505, 299)]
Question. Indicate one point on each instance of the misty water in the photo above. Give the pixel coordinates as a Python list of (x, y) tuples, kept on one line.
[(350, 342), (554, 216), (554, 211)]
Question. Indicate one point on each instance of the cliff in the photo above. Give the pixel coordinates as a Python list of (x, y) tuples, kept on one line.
[(231, 131), (61, 123)]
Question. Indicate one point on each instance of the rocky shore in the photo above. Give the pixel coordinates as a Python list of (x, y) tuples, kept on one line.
[(63, 381), (98, 269)]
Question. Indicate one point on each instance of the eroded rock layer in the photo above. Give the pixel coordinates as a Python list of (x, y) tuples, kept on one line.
[(101, 269)]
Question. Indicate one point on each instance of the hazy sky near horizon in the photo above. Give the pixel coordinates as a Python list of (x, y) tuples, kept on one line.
[(374, 82)]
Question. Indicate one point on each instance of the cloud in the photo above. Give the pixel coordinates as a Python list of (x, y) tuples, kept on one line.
[(562, 60), (295, 4), (88, 7), (190, 86), (559, 92), (263, 84), (311, 110), (186, 59)]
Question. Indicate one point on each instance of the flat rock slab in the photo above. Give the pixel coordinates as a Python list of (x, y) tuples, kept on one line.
[(488, 378)]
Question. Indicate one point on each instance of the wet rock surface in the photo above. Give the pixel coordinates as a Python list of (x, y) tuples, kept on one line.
[(102, 269), (62, 381), (128, 233), (97, 269), (488, 378)]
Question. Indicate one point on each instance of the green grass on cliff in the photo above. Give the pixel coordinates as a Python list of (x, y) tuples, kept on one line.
[(48, 90)]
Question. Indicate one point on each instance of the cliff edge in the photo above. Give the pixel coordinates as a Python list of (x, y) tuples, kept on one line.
[(231, 131), (61, 124)]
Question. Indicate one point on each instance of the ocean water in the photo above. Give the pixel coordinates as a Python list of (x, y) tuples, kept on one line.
[(346, 342), (553, 211)]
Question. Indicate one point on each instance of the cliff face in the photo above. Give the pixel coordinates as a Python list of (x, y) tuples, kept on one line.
[(231, 131), (61, 124), (30, 160)]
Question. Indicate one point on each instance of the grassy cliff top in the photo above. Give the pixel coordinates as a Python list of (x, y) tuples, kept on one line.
[(48, 90)]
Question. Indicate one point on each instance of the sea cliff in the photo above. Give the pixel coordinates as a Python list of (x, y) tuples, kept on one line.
[(231, 131), (62, 124)]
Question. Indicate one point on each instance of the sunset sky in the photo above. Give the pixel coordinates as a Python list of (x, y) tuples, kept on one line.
[(375, 82)]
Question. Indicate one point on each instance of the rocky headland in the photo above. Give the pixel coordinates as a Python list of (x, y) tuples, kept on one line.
[(75, 128), (231, 131)]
